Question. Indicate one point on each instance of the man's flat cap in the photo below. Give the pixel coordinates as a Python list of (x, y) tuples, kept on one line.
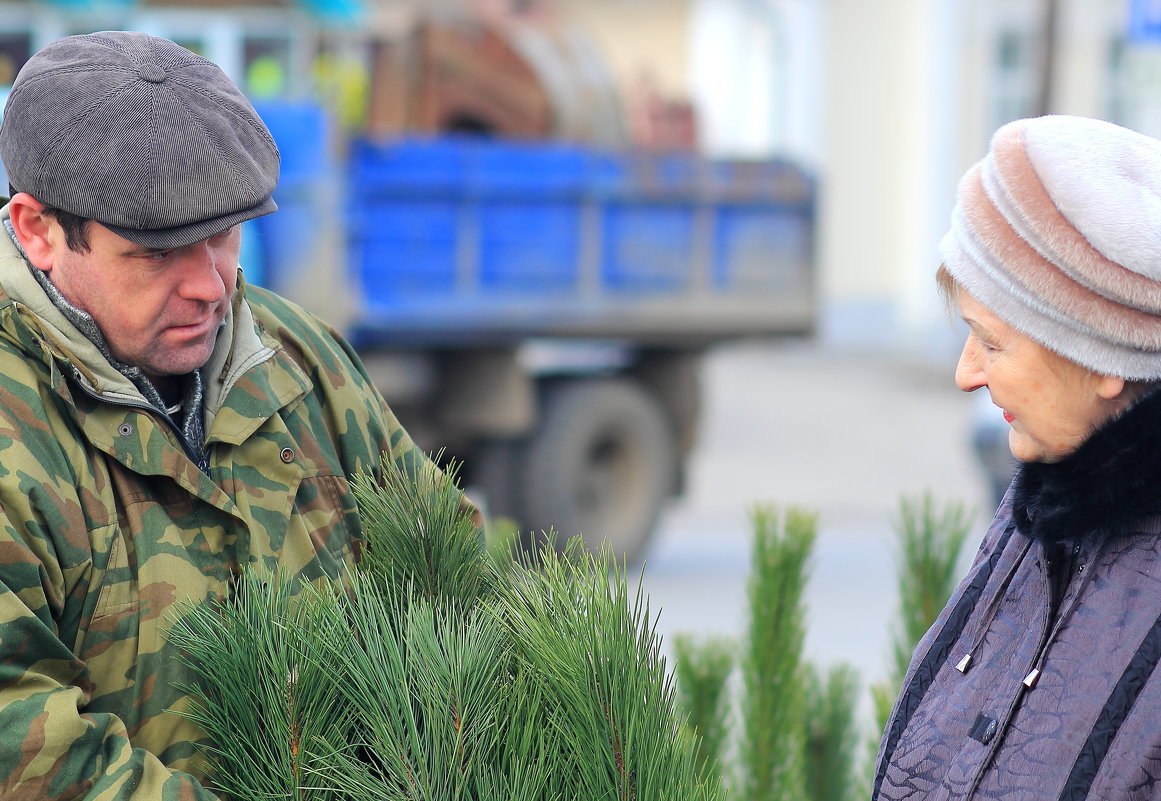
[(142, 135)]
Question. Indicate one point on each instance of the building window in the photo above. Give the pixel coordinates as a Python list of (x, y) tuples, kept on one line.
[(1134, 84), (1015, 69)]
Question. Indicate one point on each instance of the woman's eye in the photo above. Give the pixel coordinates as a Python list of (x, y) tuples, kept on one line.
[(987, 345)]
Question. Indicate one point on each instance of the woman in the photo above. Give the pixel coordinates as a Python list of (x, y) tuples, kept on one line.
[(1038, 680)]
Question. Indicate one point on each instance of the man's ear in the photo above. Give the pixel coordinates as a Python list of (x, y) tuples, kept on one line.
[(36, 230)]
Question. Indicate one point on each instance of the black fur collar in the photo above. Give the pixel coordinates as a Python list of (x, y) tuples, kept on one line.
[(1105, 487)]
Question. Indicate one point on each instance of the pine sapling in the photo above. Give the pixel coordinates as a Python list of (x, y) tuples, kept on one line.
[(832, 734), (433, 671), (771, 750), (703, 670), (591, 651)]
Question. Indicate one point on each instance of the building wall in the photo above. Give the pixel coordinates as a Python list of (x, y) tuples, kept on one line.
[(755, 77), (643, 40), (913, 91), (885, 125)]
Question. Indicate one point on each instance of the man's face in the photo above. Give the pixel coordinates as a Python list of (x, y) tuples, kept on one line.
[(158, 309)]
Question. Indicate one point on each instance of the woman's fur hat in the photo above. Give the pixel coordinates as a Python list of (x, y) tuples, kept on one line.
[(1057, 230)]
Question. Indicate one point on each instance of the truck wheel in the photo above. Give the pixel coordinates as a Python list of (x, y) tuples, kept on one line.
[(495, 470), (600, 464)]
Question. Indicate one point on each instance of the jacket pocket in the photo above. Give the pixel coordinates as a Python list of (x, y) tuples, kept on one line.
[(113, 628)]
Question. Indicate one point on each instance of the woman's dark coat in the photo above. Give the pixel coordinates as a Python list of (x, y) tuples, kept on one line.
[(1039, 680)]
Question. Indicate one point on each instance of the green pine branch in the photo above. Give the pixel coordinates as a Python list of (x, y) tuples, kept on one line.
[(832, 734), (930, 540), (266, 694), (592, 652), (435, 672), (771, 750), (703, 670), (418, 534)]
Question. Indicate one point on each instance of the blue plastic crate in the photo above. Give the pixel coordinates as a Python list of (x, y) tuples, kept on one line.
[(531, 169), (410, 166), (528, 247), (647, 246), (760, 181), (400, 250), (761, 247), (641, 174), (405, 218), (302, 133), (283, 237)]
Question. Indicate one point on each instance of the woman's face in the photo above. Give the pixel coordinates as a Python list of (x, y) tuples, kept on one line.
[(1052, 404)]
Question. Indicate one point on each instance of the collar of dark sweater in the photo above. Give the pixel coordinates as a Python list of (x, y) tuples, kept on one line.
[(1106, 487)]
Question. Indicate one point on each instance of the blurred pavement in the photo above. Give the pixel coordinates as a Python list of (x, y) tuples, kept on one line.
[(843, 434)]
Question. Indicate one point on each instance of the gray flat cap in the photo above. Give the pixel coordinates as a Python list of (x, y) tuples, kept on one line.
[(139, 134)]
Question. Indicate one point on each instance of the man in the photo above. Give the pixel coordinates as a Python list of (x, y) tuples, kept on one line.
[(161, 425)]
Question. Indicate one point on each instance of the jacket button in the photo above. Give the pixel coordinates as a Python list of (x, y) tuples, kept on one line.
[(989, 732), (286, 455)]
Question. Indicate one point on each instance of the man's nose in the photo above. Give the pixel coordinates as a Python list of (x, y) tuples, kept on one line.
[(202, 278)]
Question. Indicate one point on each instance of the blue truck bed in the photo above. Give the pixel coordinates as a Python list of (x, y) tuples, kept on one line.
[(452, 240)]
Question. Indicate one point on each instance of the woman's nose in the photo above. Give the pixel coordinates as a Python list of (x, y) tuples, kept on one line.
[(968, 375)]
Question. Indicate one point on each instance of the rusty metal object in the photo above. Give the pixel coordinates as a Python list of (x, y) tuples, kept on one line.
[(511, 79)]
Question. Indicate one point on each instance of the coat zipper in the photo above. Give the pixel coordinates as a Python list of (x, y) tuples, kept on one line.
[(144, 407), (1003, 720), (1052, 621)]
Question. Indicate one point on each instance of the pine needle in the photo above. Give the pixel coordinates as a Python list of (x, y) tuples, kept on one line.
[(930, 538), (267, 692)]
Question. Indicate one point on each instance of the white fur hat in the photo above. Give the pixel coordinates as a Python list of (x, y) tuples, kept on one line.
[(1057, 230)]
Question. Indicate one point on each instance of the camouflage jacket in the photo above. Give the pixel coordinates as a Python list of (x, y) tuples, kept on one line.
[(106, 525)]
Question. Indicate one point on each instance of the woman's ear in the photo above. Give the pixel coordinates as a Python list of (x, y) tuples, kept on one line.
[(1112, 388), (35, 230)]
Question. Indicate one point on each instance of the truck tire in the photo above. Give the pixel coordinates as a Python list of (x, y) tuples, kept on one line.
[(494, 470), (601, 463)]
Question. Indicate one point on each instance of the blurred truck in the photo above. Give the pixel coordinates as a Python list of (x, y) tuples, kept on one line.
[(538, 307)]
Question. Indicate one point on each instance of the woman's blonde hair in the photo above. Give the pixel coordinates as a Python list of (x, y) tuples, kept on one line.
[(949, 289)]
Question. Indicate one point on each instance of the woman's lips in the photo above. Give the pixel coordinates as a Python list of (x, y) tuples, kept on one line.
[(1008, 416)]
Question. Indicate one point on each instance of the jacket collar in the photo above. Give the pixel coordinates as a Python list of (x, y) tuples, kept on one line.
[(1106, 487)]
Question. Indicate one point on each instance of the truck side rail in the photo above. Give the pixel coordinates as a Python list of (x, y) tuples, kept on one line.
[(451, 237)]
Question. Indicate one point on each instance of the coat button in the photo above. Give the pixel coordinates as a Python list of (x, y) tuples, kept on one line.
[(989, 732), (286, 455)]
